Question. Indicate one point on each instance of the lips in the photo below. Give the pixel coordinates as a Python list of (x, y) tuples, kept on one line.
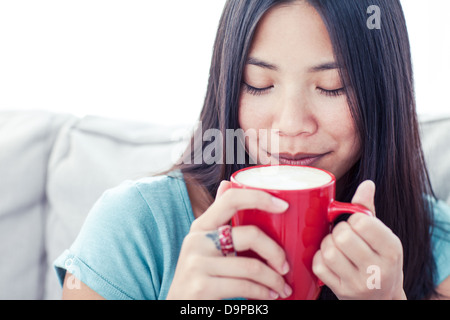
[(299, 159)]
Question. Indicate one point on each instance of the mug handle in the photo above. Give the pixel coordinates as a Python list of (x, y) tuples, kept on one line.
[(337, 209)]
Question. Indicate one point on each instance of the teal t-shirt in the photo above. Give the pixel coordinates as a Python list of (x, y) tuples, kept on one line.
[(129, 245)]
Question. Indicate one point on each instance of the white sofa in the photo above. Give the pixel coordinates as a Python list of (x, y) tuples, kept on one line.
[(53, 167)]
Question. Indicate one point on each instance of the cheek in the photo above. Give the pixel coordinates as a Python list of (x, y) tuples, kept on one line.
[(342, 133), (349, 150), (348, 135), (252, 115), (339, 122)]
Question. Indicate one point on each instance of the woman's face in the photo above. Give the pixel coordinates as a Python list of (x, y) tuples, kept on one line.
[(292, 88)]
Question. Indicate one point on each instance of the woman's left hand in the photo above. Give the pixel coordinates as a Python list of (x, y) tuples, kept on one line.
[(362, 258)]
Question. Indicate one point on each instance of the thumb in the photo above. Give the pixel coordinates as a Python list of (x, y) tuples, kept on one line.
[(224, 186), (365, 195)]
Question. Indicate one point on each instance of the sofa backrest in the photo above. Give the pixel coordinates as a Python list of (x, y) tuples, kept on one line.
[(26, 141), (53, 168), (90, 156), (436, 145)]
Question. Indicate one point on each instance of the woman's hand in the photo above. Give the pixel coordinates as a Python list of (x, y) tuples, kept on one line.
[(362, 258), (204, 273)]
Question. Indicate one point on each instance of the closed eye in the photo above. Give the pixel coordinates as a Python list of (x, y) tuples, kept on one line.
[(256, 91), (332, 93)]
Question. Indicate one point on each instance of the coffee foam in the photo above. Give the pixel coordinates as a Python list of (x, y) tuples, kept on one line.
[(283, 178)]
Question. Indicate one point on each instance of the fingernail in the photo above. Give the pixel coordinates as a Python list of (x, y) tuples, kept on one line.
[(287, 290), (285, 268), (274, 295), (281, 204)]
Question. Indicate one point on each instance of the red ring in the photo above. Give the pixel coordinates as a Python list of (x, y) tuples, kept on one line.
[(226, 241)]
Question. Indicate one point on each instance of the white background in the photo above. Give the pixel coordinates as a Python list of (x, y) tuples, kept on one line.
[(149, 60)]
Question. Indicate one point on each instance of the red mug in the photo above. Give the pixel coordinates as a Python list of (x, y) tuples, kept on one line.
[(301, 229)]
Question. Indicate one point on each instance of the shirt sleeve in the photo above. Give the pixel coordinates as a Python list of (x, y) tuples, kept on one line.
[(441, 241), (113, 252)]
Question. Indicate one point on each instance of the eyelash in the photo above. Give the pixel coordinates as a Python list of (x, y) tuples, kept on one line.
[(332, 93), (258, 92)]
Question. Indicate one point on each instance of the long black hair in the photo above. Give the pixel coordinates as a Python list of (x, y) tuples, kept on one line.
[(377, 72)]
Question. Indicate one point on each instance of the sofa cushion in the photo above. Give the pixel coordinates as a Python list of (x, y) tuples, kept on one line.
[(436, 145), (26, 139), (90, 156)]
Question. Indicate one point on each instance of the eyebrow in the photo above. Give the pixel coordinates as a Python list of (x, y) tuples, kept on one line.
[(261, 64), (319, 68), (324, 67)]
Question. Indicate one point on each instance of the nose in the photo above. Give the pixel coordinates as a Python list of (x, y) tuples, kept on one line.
[(295, 116)]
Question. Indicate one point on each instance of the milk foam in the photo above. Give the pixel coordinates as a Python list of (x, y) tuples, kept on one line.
[(284, 178)]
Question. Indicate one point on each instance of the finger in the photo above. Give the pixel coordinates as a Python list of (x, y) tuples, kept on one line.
[(352, 246), (252, 238), (244, 238), (232, 288), (321, 270), (233, 200), (249, 269), (335, 260), (375, 233), (224, 186), (365, 195)]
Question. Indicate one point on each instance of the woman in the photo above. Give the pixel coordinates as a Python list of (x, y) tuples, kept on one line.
[(339, 96)]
